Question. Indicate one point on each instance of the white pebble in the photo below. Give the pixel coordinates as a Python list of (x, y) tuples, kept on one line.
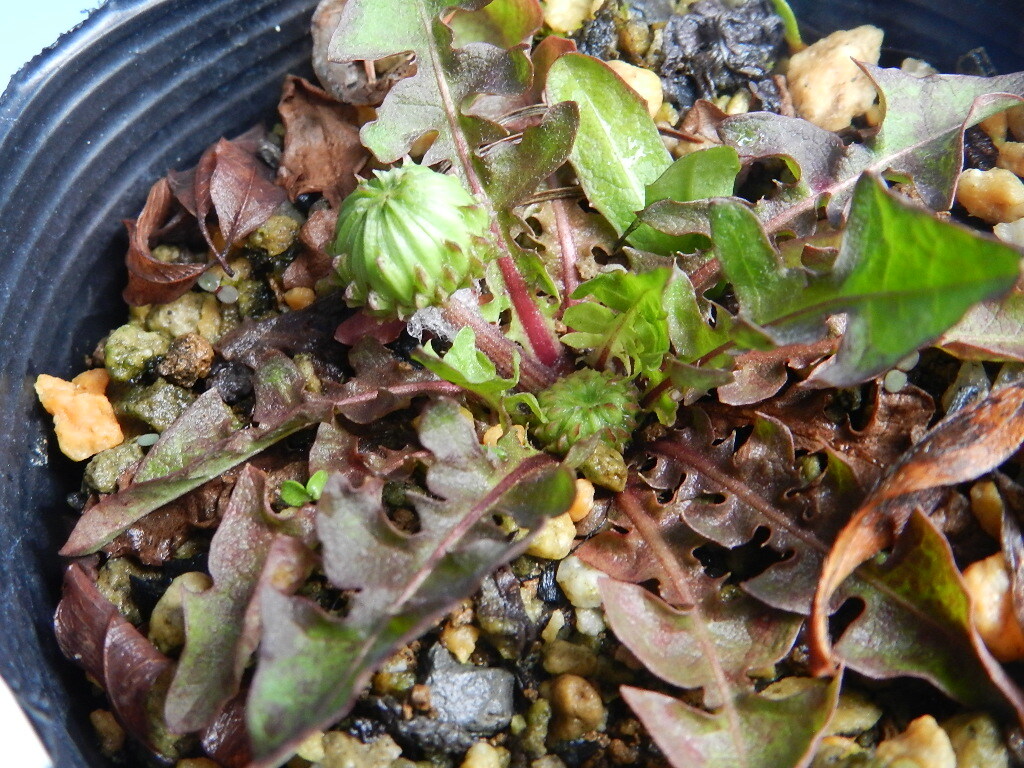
[(579, 582), (554, 541), (209, 281), (894, 381), (590, 621), (1012, 233), (228, 294), (909, 362)]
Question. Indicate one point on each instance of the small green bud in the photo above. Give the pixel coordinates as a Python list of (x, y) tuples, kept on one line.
[(407, 239), (587, 403)]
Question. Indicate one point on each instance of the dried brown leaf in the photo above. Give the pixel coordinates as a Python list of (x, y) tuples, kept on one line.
[(151, 281), (226, 740), (155, 538), (353, 82), (313, 262), (242, 192), (760, 375), (700, 125), (322, 151), (193, 188)]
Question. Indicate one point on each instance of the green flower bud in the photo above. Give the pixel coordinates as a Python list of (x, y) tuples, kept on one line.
[(587, 403), (407, 239)]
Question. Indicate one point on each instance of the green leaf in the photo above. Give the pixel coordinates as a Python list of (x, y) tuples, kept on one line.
[(902, 276), (626, 321), (436, 100), (765, 288), (692, 381), (702, 175), (207, 421), (618, 152), (294, 493), (510, 171), (312, 666), (432, 99), (923, 144), (504, 23), (468, 367), (906, 278), (689, 320), (699, 175)]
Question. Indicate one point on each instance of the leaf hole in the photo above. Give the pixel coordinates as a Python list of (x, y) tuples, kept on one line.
[(847, 613), (740, 563), (763, 179), (708, 498)]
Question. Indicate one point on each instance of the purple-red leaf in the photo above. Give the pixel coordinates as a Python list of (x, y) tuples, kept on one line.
[(223, 624), (766, 732), (916, 621), (90, 631), (312, 665), (383, 383), (713, 642)]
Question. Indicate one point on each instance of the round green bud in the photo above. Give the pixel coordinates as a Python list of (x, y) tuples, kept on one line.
[(587, 403), (407, 239)]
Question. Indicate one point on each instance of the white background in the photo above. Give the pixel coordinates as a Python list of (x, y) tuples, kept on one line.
[(29, 26)]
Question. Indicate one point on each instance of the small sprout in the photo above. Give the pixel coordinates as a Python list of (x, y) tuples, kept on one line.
[(407, 239), (295, 494), (315, 485)]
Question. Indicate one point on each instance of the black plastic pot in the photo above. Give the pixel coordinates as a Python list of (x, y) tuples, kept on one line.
[(142, 87)]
